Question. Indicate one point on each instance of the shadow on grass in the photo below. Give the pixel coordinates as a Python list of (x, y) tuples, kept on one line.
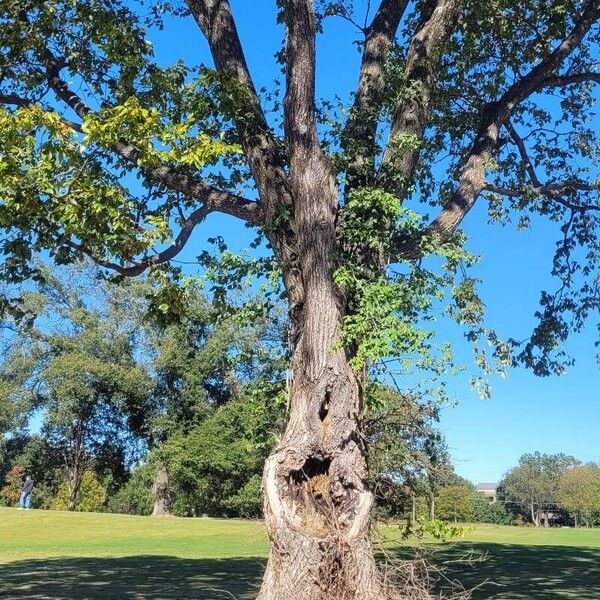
[(131, 578), (520, 572), (514, 572)]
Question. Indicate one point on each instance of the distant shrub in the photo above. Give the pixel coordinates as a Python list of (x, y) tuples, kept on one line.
[(91, 497), (11, 492), (247, 503), (135, 496)]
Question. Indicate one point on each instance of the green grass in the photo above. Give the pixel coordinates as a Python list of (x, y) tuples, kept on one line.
[(65, 556)]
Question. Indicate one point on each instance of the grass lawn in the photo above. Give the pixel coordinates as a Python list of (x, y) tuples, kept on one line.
[(66, 556)]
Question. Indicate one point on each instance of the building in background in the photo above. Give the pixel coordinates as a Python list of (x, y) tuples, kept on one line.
[(489, 490)]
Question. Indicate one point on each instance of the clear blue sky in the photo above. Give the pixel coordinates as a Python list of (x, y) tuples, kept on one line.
[(486, 437)]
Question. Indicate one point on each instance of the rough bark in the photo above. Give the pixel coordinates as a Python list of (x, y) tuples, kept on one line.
[(74, 485), (161, 493), (317, 502)]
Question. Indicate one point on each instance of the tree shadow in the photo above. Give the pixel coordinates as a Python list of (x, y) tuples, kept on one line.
[(521, 572), (512, 572), (131, 578)]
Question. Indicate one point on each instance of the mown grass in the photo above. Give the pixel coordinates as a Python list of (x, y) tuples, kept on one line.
[(66, 556)]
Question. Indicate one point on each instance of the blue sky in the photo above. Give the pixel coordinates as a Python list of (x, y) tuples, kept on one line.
[(525, 413)]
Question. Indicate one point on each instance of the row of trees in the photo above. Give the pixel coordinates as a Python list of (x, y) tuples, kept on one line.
[(138, 415), (108, 388), (546, 489), (542, 490)]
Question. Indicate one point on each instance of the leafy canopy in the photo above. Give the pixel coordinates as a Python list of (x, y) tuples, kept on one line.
[(106, 152)]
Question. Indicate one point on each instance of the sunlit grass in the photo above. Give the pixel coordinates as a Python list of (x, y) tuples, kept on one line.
[(47, 555)]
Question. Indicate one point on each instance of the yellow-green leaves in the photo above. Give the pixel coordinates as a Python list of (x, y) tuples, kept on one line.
[(156, 140)]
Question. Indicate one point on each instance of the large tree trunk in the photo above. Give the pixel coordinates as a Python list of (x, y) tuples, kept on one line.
[(161, 493), (317, 498), (317, 501)]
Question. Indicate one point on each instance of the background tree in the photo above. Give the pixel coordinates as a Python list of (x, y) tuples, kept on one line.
[(91, 495), (13, 482), (534, 483), (213, 354), (579, 492), (90, 389), (408, 457), (454, 503), (351, 219)]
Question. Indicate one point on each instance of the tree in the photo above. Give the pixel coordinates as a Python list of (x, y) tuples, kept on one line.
[(11, 492), (408, 458), (206, 359), (82, 372), (91, 495), (458, 83), (534, 482), (454, 503), (214, 467), (579, 491)]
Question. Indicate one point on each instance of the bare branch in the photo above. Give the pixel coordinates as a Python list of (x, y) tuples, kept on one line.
[(438, 21), (137, 267), (359, 134), (520, 144), (554, 191)]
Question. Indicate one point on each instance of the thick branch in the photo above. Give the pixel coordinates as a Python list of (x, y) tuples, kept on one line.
[(472, 179), (299, 105), (215, 19), (359, 134), (175, 179), (411, 114)]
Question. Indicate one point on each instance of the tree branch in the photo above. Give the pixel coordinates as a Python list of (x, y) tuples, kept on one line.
[(571, 79), (215, 19), (411, 114), (24, 102), (175, 179), (534, 80), (358, 138), (520, 144), (494, 114), (138, 267), (554, 191), (300, 118)]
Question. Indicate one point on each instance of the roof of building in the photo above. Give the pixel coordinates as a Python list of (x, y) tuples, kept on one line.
[(487, 487)]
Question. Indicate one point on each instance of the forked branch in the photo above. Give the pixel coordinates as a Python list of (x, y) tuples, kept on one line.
[(494, 115), (359, 134), (411, 114), (215, 19)]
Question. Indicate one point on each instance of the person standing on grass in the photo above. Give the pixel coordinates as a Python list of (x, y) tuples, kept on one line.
[(26, 493)]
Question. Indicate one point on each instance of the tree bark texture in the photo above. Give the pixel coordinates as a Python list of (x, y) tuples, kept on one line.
[(317, 500), (161, 493)]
